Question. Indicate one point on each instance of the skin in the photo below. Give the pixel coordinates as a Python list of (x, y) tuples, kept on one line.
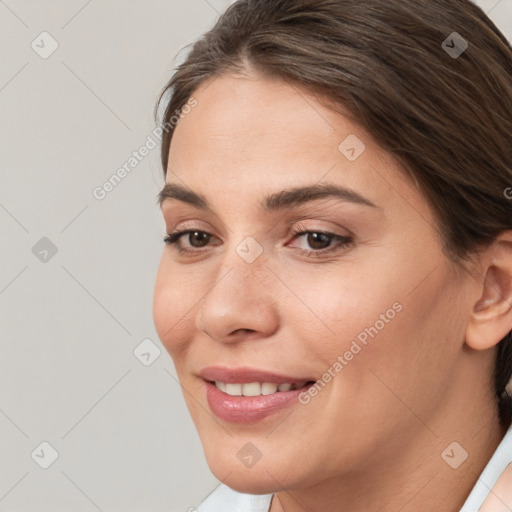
[(372, 439)]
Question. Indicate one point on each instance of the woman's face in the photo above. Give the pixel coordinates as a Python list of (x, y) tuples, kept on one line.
[(371, 309)]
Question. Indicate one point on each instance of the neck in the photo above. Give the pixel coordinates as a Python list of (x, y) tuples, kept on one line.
[(416, 474)]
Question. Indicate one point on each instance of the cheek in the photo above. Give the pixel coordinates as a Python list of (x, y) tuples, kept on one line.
[(339, 306), (175, 295), (372, 320), (410, 357)]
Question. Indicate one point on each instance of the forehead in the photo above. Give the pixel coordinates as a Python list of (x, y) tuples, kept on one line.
[(254, 134), (252, 115)]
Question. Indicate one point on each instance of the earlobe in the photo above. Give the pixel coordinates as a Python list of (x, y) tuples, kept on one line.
[(491, 317)]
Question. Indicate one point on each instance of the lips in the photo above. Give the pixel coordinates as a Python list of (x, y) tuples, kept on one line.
[(246, 375), (245, 395)]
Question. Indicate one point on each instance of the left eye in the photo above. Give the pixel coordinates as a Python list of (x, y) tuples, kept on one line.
[(320, 241)]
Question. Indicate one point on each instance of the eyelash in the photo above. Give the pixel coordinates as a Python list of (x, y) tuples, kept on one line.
[(343, 241)]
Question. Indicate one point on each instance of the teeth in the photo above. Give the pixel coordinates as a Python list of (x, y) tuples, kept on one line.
[(267, 388), (256, 388), (251, 389), (233, 389)]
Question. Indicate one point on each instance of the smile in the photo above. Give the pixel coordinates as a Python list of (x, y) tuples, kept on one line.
[(256, 388), (244, 395)]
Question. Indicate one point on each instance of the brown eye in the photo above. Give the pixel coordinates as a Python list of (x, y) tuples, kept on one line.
[(200, 237), (193, 238), (319, 243), (318, 240)]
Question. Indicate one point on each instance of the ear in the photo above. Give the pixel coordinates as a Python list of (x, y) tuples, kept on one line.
[(491, 318)]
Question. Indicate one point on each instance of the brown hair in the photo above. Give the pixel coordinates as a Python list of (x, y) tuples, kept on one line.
[(447, 118)]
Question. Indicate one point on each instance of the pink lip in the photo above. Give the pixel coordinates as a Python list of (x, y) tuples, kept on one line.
[(245, 375), (247, 409)]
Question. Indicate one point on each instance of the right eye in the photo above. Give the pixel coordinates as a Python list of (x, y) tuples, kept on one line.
[(196, 238)]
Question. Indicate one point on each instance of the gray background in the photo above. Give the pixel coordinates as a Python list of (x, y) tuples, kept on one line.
[(70, 321)]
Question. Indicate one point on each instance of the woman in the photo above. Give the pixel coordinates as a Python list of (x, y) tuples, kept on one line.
[(336, 288)]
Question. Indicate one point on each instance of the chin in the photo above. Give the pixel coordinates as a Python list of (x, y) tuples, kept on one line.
[(264, 477), (250, 481)]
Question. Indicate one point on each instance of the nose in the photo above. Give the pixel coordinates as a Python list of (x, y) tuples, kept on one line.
[(240, 303)]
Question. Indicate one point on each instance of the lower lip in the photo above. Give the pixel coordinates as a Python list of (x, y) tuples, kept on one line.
[(248, 409)]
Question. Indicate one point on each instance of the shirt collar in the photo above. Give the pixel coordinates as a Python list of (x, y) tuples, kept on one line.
[(491, 492)]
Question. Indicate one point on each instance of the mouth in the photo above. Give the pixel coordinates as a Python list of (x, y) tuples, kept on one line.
[(248, 396), (258, 388)]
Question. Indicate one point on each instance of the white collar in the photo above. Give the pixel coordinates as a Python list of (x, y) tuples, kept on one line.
[(488, 487)]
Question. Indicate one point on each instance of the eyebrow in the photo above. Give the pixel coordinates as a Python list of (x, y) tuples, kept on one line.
[(273, 202)]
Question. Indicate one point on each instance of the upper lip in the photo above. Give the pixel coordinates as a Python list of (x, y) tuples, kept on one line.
[(244, 375)]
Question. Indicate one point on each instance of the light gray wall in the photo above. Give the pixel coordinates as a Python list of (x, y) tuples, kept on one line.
[(70, 321)]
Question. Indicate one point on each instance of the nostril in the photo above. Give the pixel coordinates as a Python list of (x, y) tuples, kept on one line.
[(244, 331)]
